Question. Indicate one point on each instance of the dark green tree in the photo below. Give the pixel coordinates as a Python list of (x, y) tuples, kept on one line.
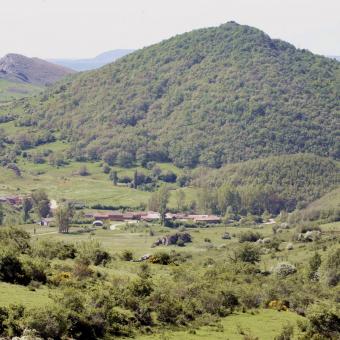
[(2, 214), (27, 205), (41, 203)]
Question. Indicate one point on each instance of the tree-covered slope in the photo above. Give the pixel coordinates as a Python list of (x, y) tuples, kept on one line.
[(292, 179), (210, 97)]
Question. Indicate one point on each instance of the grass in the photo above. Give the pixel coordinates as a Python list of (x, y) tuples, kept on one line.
[(264, 325), (15, 294), (63, 182), (327, 202), (10, 90)]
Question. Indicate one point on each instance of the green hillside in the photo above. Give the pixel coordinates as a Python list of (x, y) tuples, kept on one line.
[(209, 97), (272, 183)]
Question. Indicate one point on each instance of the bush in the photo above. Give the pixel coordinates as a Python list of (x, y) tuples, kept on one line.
[(248, 253), (286, 332), (35, 269), (15, 238), (11, 269), (92, 252), (48, 321), (249, 236), (160, 257), (127, 255), (330, 269), (54, 249), (323, 321)]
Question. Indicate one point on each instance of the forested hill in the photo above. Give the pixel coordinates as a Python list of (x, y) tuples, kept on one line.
[(211, 96)]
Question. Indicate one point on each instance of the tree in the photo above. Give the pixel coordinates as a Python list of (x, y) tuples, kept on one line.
[(63, 216), (2, 214), (135, 179), (27, 205), (159, 201), (106, 169), (125, 159), (164, 195), (110, 157), (83, 171), (114, 177), (180, 199), (227, 196), (41, 203), (314, 265), (247, 253)]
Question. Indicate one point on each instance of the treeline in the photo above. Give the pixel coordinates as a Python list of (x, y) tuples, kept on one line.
[(208, 97), (271, 184)]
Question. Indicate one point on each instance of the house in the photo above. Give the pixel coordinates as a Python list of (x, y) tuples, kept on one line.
[(151, 216), (106, 216), (116, 215), (205, 218)]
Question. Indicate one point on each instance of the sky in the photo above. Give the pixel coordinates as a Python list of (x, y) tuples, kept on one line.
[(85, 28)]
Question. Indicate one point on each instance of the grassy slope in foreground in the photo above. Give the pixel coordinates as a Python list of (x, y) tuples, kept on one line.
[(264, 325)]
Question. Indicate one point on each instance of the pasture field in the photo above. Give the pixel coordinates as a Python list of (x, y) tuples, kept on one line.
[(65, 183), (264, 324), (11, 294), (207, 246), (10, 90), (206, 242)]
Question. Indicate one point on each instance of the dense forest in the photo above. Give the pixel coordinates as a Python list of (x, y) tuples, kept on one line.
[(209, 97), (270, 184)]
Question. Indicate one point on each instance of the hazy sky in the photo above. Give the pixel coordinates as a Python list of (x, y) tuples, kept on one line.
[(84, 28)]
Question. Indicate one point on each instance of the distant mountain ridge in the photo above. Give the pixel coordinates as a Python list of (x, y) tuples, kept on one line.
[(22, 69), (92, 63)]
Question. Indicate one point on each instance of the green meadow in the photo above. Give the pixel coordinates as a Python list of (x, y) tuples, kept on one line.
[(65, 182)]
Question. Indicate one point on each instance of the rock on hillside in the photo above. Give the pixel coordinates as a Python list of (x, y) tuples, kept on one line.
[(18, 68)]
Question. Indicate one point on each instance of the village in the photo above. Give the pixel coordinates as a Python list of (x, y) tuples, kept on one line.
[(98, 218)]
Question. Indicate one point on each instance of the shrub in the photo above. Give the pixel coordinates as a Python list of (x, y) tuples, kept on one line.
[(249, 236), (287, 332), (92, 252), (11, 269), (49, 321), (83, 171), (106, 169), (35, 269), (168, 310), (323, 321), (278, 305), (60, 278), (15, 238), (160, 257), (127, 255), (248, 253), (330, 269), (54, 249)]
